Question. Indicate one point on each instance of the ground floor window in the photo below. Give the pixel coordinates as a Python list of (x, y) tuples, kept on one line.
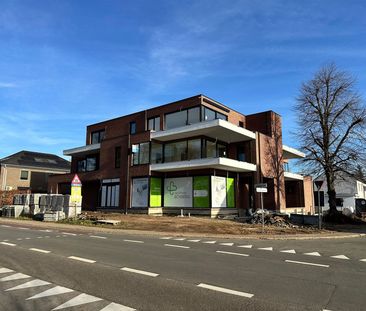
[(109, 194)]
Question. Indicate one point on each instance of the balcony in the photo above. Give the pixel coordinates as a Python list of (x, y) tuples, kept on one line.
[(84, 150), (216, 129), (216, 163), (292, 176), (292, 153)]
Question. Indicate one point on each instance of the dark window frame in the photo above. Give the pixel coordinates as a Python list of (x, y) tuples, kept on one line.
[(133, 127), (155, 124), (100, 136), (21, 173), (186, 110), (84, 167), (117, 157)]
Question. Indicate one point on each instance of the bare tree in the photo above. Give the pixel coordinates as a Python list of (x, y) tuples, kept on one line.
[(331, 126)]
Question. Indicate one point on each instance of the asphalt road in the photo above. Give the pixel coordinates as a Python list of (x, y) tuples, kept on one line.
[(74, 271)]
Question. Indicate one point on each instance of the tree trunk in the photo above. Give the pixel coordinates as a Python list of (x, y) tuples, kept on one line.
[(331, 194)]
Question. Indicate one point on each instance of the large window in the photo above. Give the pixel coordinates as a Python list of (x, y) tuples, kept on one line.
[(109, 195), (194, 149), (141, 153), (182, 118), (153, 124), (175, 151), (156, 153), (193, 115), (97, 137), (209, 114), (210, 150), (88, 164)]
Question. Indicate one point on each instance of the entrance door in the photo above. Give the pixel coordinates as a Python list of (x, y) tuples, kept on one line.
[(110, 195)]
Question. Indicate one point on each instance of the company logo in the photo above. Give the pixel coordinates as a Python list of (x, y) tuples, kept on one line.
[(171, 188)]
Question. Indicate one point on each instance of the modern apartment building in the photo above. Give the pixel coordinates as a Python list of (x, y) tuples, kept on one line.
[(194, 154)]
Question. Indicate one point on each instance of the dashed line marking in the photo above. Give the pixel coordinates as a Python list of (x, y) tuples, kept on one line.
[(245, 246), (8, 244), (98, 237), (5, 270), (178, 246), (81, 259), (117, 307), (179, 239), (166, 238), (5, 226), (133, 241), (27, 238), (232, 253), (39, 237), (19, 239), (312, 254), (266, 248), (46, 230), (68, 233), (289, 251), (5, 240), (340, 257), (225, 290), (209, 242), (39, 250), (364, 260), (227, 244), (22, 228), (140, 272), (194, 241), (308, 263)]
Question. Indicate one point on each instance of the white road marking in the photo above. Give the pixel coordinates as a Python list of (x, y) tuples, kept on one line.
[(5, 226), (289, 251), (16, 276), (46, 230), (19, 239), (5, 240), (39, 237), (225, 290), (194, 241), (307, 263), (340, 257), (5, 270), (68, 233), (312, 254), (27, 238), (117, 307), (245, 246), (364, 260), (58, 236), (52, 292), (166, 238), (39, 250), (140, 272), (77, 301), (179, 239), (6, 243), (82, 259), (227, 244), (47, 236), (179, 246), (22, 228), (34, 283), (231, 253), (133, 241), (98, 237), (209, 242), (266, 248)]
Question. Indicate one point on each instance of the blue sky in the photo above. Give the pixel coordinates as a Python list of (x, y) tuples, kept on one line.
[(65, 64)]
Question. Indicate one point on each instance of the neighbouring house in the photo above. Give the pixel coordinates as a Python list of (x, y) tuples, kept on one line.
[(28, 170), (195, 155), (350, 193)]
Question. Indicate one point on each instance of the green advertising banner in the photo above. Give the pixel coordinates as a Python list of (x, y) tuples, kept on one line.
[(155, 192), (230, 193), (201, 191)]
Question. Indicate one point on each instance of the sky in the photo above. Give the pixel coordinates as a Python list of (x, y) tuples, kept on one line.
[(65, 64)]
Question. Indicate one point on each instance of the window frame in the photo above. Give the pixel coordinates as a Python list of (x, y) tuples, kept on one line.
[(20, 175), (100, 136), (155, 124), (133, 128)]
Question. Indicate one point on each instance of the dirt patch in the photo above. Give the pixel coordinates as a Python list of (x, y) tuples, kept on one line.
[(194, 225)]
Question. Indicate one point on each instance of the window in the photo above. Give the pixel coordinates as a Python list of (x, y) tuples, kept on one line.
[(97, 137), (209, 114), (156, 153), (182, 118), (132, 127), (175, 151), (241, 123), (194, 149), (154, 124), (24, 175), (210, 149), (88, 164), (117, 157), (140, 153), (109, 195), (339, 202), (144, 153), (241, 153), (221, 151)]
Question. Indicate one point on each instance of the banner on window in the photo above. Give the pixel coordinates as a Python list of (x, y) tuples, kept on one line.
[(140, 188), (178, 192), (218, 191)]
